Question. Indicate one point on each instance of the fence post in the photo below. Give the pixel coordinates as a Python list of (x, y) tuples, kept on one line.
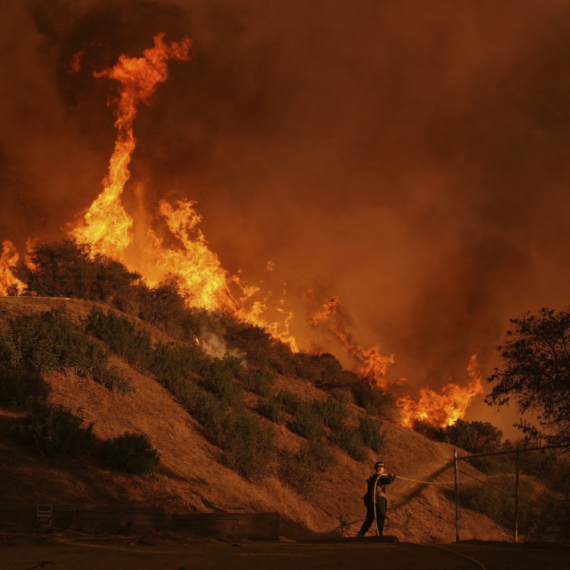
[(456, 497), (517, 499)]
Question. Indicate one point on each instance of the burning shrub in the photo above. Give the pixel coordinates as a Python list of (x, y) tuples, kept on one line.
[(308, 423), (50, 341), (331, 412), (270, 409), (350, 441), (372, 434), (124, 338), (22, 386), (55, 432), (65, 269), (248, 444), (132, 453)]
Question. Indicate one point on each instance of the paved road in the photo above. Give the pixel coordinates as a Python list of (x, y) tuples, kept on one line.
[(279, 556)]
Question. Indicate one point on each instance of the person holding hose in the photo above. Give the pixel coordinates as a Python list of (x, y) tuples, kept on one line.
[(375, 499)]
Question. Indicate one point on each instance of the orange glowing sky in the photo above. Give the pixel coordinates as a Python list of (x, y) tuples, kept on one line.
[(410, 158)]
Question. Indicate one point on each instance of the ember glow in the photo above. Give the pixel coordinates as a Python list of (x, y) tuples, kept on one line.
[(446, 407)]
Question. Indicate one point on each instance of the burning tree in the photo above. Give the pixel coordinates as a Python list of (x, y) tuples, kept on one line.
[(536, 373)]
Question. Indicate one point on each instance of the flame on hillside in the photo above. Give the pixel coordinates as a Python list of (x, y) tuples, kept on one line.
[(106, 228), (9, 283), (445, 408)]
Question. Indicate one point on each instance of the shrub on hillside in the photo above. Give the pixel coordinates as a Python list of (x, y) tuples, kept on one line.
[(248, 444), (375, 401), (259, 381), (52, 341), (350, 441), (271, 409), (132, 453), (112, 379), (208, 410), (289, 400), (475, 437), (260, 347), (308, 422), (301, 470), (332, 412), (171, 363), (372, 434), (22, 386), (55, 432), (218, 380), (342, 395), (123, 337), (65, 269)]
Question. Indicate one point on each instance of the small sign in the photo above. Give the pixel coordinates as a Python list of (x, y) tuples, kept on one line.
[(44, 514)]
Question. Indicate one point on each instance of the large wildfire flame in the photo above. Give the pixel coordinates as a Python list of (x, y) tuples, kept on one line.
[(106, 228), (445, 408)]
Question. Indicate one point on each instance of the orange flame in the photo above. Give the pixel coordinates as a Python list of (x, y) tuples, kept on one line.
[(9, 283), (370, 363), (445, 408), (107, 228)]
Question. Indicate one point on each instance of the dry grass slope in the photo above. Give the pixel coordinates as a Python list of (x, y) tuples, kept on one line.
[(191, 480)]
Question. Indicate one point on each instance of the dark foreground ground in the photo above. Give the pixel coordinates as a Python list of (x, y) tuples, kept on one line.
[(148, 553)]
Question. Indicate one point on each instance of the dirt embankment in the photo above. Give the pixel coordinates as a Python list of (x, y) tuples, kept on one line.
[(191, 480)]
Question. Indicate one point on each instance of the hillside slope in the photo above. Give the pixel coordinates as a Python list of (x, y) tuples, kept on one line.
[(191, 480)]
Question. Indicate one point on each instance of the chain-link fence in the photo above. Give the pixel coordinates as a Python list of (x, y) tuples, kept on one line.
[(524, 490)]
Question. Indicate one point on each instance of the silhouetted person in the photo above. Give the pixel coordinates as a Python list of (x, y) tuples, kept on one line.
[(376, 486)]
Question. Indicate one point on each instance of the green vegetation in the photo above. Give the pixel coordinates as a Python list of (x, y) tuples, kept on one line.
[(55, 432), (210, 389), (112, 379), (259, 381), (308, 423), (301, 470), (474, 437), (536, 373), (271, 409), (372, 434), (132, 453), (248, 444), (52, 341), (350, 441), (331, 412), (289, 400), (22, 386), (124, 338)]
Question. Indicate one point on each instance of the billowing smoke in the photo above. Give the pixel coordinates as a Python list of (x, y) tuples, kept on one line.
[(409, 157)]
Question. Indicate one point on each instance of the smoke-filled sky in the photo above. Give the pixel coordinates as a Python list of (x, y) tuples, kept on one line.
[(408, 156)]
